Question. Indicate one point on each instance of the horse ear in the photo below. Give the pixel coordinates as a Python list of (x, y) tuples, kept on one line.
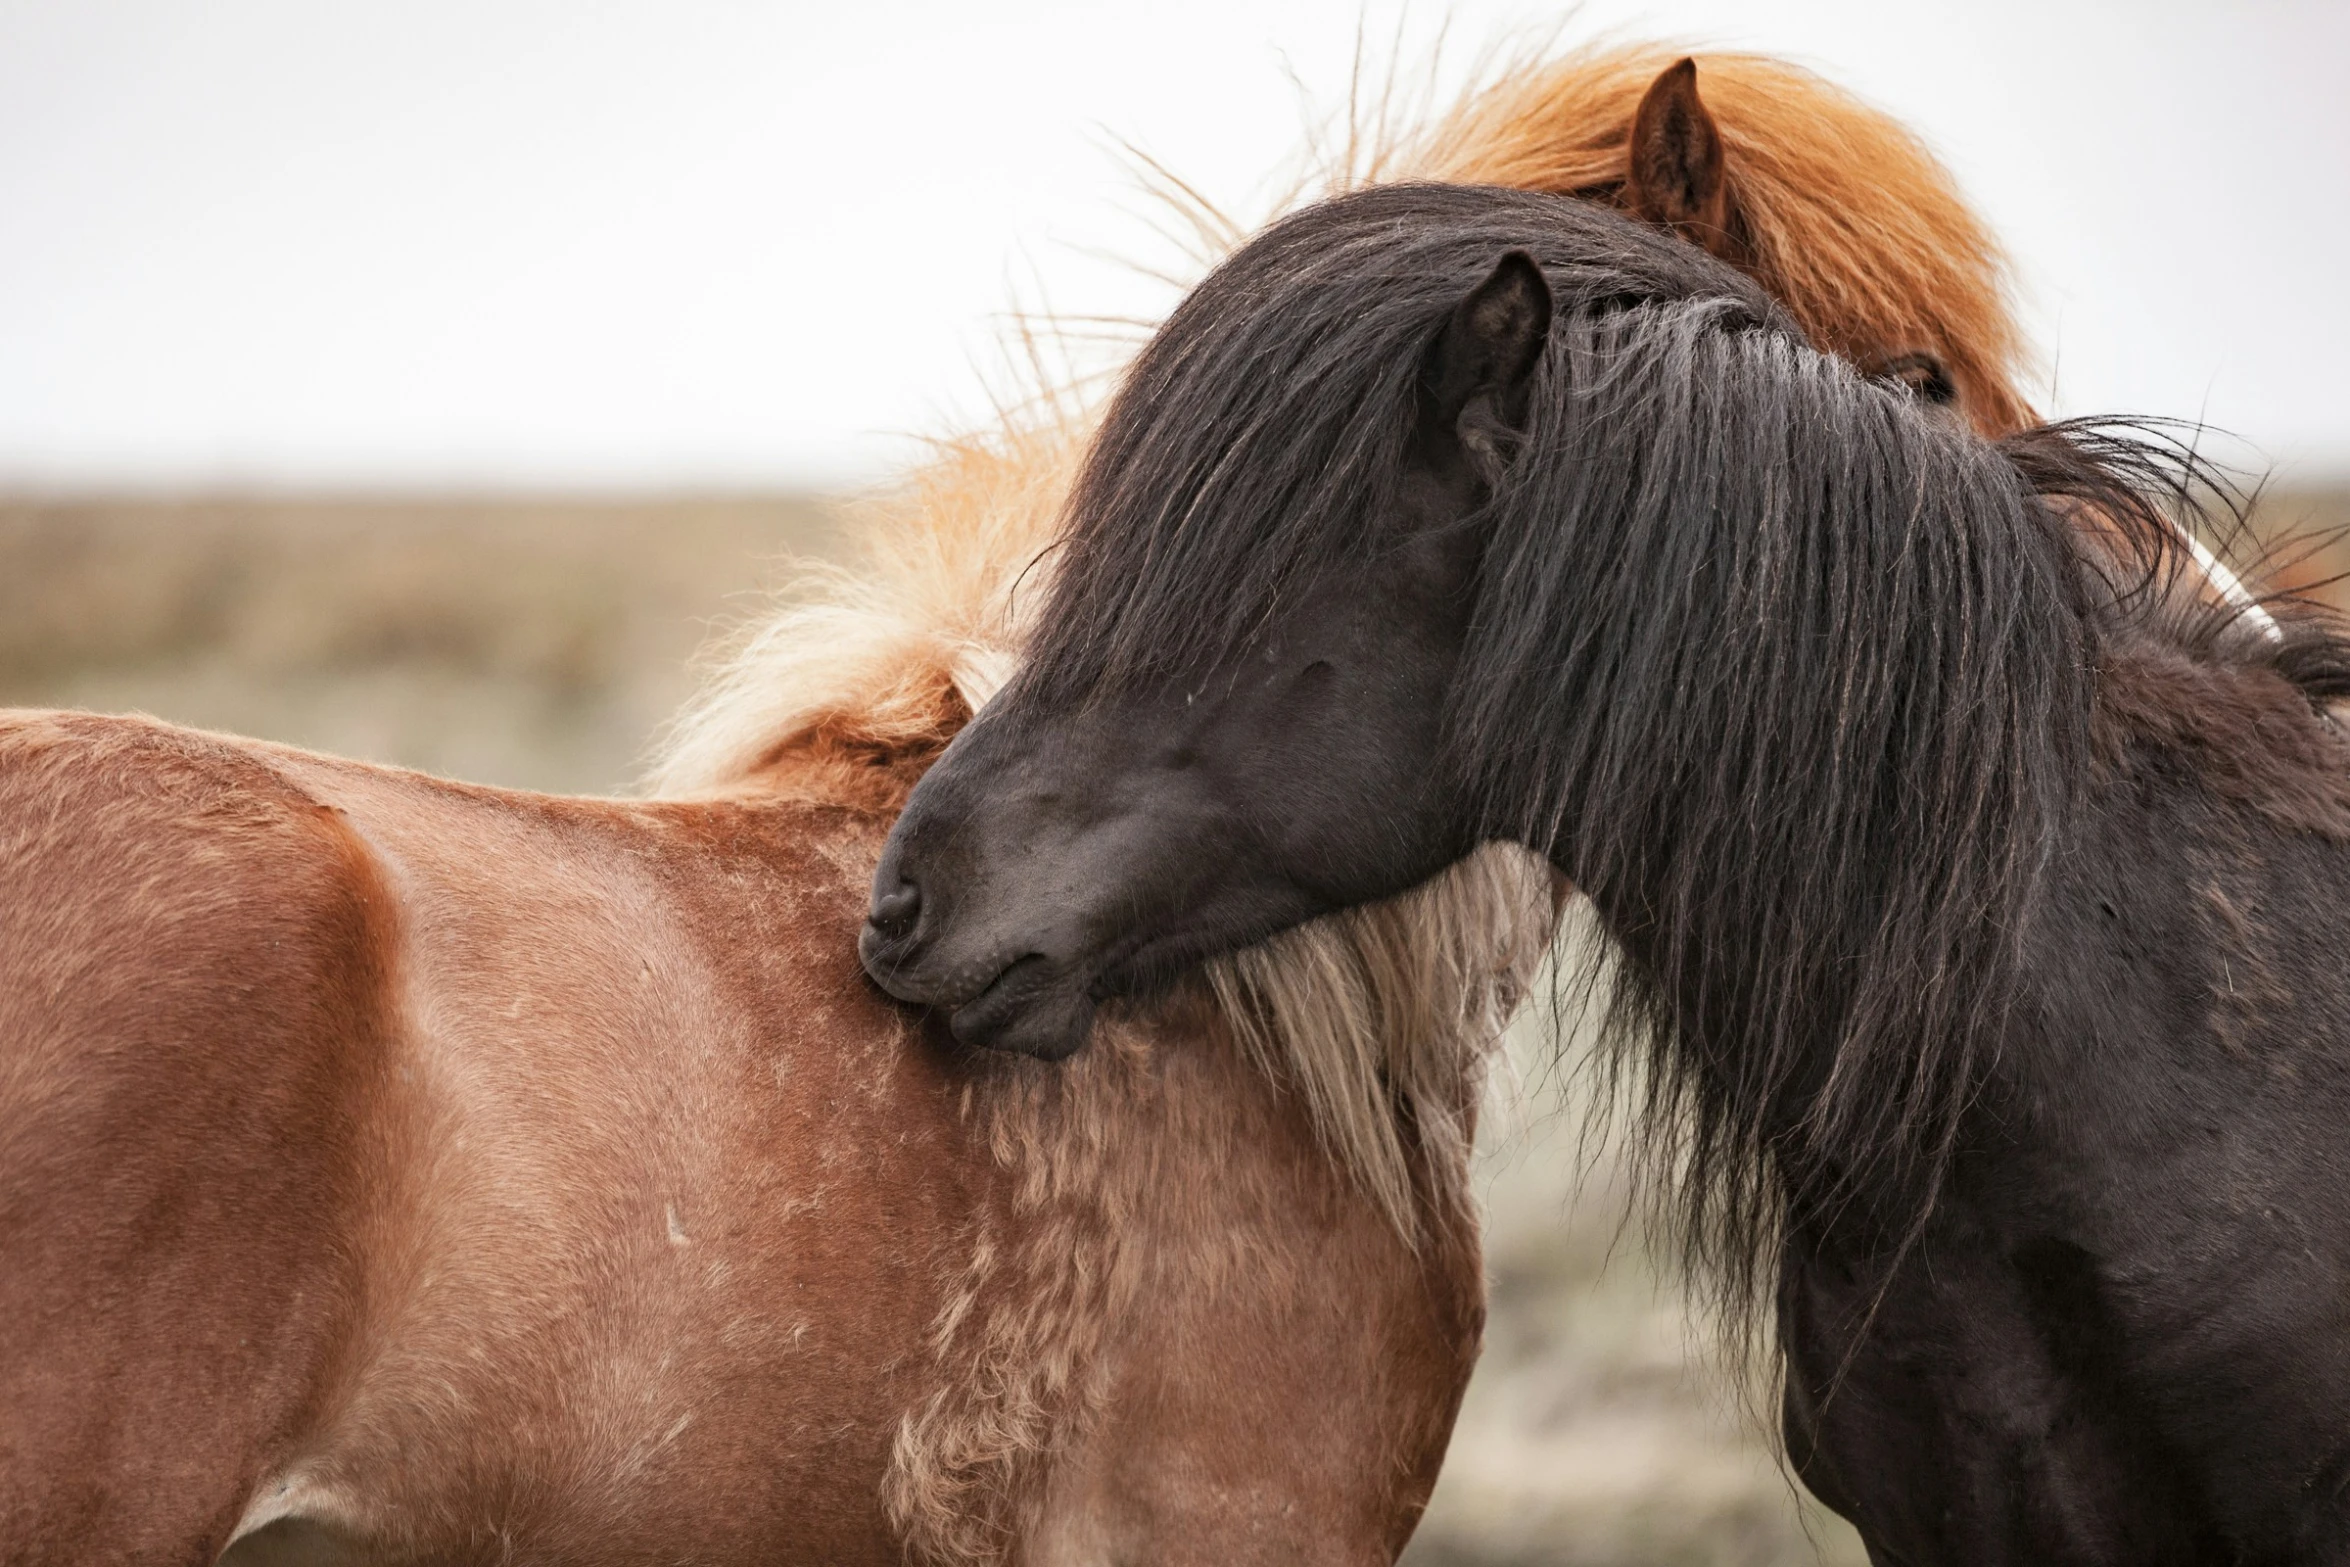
[(1481, 365), (1678, 177)]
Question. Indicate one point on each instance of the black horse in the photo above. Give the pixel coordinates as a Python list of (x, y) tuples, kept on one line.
[(1974, 886)]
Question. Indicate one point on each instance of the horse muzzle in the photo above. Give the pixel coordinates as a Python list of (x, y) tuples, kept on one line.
[(1022, 1002)]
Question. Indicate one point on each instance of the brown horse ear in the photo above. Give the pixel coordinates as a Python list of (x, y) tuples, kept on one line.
[(1678, 176)]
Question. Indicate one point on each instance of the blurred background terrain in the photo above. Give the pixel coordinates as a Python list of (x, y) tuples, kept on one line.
[(533, 643), (540, 643)]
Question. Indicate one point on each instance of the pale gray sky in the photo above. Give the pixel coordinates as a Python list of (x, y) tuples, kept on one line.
[(684, 242)]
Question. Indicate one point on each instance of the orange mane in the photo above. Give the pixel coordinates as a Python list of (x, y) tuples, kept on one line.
[(1851, 223)]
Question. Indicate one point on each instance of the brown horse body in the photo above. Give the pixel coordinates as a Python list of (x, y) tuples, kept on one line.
[(396, 1170)]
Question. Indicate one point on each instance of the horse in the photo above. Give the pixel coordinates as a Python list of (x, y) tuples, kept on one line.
[(311, 1069), (1970, 880), (395, 1170)]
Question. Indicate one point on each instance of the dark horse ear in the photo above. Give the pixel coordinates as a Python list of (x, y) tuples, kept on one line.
[(1678, 176), (1481, 365)]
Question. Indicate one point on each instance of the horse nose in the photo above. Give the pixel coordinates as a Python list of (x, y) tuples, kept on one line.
[(886, 945), (893, 913)]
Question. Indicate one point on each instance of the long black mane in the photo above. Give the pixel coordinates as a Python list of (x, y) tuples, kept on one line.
[(1793, 678), (1259, 429)]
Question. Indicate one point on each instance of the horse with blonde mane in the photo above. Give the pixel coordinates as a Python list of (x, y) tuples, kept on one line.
[(393, 1169)]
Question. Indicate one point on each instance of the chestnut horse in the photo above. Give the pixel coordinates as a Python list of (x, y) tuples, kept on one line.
[(391, 1169), (396, 1170)]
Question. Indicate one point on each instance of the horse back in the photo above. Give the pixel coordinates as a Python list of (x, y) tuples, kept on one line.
[(191, 972)]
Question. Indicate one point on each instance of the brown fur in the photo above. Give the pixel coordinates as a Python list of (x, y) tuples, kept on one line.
[(392, 1170)]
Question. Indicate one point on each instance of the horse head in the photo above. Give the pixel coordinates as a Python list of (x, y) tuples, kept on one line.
[(1261, 738)]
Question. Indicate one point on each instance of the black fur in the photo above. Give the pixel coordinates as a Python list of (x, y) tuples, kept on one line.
[(1921, 795)]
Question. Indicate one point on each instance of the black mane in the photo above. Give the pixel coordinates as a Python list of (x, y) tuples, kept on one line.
[(1812, 783), (1259, 428)]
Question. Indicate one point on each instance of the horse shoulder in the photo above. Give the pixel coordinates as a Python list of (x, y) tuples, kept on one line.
[(189, 1005), (669, 1203)]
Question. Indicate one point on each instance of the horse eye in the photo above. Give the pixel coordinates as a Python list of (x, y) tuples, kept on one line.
[(1922, 376)]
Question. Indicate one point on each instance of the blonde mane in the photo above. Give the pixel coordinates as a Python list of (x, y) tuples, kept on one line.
[(1377, 1015)]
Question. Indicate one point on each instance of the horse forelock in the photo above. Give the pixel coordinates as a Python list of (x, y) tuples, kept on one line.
[(1255, 443)]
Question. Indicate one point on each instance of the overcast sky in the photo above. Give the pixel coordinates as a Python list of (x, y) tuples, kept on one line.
[(678, 243)]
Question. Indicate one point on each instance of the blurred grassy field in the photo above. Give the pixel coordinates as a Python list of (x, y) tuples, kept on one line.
[(541, 643), (532, 643)]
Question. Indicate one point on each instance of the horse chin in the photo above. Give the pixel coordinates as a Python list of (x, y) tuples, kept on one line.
[(1033, 1008)]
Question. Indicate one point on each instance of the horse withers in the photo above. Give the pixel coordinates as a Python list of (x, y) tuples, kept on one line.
[(398, 1171), (1971, 877)]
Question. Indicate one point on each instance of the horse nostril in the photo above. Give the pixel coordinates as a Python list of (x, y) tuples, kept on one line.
[(893, 913)]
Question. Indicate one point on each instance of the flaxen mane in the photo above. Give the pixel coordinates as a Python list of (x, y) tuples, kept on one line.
[(852, 687)]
